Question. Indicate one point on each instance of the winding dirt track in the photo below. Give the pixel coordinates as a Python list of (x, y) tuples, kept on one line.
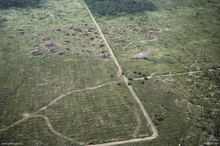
[(26, 115), (48, 124), (131, 90), (119, 73), (54, 131), (169, 75)]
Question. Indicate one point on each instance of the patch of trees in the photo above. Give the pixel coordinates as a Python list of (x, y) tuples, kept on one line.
[(113, 7), (139, 73), (212, 76), (208, 107), (6, 4)]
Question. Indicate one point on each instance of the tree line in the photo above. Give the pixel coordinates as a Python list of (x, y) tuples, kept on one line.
[(113, 7)]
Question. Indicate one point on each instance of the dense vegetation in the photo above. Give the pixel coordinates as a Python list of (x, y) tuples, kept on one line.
[(53, 49), (7, 4), (113, 7)]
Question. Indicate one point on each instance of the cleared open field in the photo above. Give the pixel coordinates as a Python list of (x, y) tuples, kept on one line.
[(48, 62), (59, 83)]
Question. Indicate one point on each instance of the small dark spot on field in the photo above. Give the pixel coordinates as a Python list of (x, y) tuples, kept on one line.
[(61, 53), (102, 45), (130, 78), (49, 45), (58, 29), (134, 28), (145, 78), (53, 51), (46, 39), (36, 53), (150, 38), (105, 57), (67, 41), (78, 30), (154, 29)]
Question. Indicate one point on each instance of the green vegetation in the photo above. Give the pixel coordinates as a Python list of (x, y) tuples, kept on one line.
[(115, 7), (95, 116), (33, 131), (52, 55), (185, 110)]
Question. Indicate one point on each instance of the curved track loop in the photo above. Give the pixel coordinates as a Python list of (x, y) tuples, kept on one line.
[(26, 115), (119, 74)]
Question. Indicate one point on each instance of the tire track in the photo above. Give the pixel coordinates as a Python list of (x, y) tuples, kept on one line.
[(55, 132), (63, 95), (134, 111), (52, 102), (169, 75), (48, 124), (131, 90)]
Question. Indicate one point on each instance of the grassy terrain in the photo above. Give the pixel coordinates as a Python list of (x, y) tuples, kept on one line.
[(30, 132), (96, 116), (189, 41), (185, 110), (50, 48), (53, 50)]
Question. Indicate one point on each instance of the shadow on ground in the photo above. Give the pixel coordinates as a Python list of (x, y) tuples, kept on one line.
[(7, 4), (113, 7)]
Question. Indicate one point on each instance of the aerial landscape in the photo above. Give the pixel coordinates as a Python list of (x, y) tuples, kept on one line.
[(110, 72)]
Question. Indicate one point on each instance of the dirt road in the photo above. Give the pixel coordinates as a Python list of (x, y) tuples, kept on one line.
[(54, 131), (119, 73), (132, 92), (174, 74), (27, 115)]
